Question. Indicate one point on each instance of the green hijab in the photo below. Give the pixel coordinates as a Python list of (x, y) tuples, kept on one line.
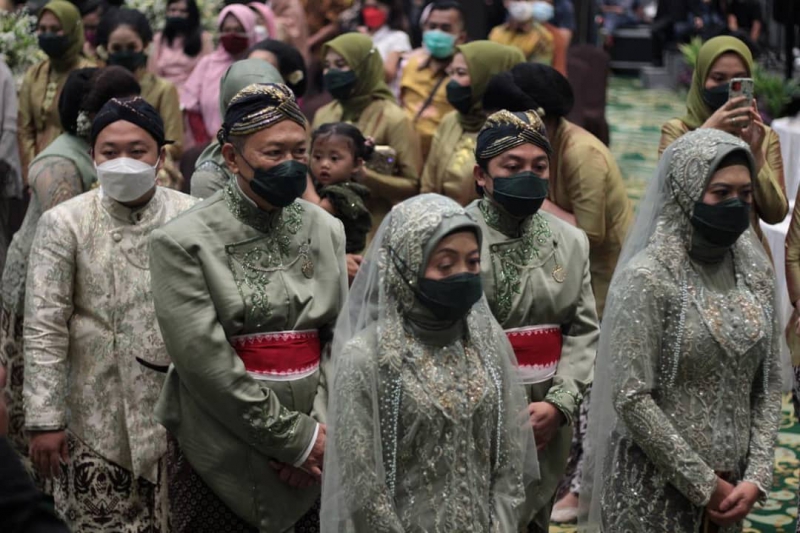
[(697, 112), (363, 58), (70, 19), (237, 77), (484, 60)]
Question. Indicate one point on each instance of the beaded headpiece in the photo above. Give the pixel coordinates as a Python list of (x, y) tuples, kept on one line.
[(258, 107), (505, 130)]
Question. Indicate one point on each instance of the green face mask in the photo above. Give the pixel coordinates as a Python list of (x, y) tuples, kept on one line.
[(716, 97), (55, 46), (449, 299), (721, 224), (280, 185), (339, 83), (521, 194), (128, 59), (460, 97)]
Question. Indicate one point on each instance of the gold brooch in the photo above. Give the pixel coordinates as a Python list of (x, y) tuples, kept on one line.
[(559, 274)]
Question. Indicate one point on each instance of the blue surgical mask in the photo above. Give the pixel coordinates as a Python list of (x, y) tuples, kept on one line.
[(542, 11), (440, 44)]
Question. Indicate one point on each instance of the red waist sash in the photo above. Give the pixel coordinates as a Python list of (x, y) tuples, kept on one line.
[(280, 355), (538, 351)]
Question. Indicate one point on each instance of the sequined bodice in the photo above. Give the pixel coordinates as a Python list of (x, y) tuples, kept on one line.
[(447, 422), (712, 351), (693, 383), (442, 452)]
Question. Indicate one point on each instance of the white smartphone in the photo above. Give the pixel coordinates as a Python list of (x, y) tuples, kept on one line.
[(742, 87)]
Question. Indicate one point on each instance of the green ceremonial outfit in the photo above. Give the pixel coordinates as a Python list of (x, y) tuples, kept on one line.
[(247, 300), (522, 263), (688, 387), (62, 170), (537, 280), (224, 270), (428, 426)]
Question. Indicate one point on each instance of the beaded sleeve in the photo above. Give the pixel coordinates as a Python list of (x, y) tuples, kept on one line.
[(636, 352)]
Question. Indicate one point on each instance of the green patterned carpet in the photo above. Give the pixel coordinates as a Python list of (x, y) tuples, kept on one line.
[(636, 116)]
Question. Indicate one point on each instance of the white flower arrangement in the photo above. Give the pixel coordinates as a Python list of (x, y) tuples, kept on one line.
[(156, 12), (19, 46)]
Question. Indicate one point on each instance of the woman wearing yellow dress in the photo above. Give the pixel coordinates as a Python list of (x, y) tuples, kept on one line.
[(60, 34), (721, 59), (451, 161), (354, 76)]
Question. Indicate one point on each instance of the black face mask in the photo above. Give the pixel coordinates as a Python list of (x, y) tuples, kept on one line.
[(177, 24), (339, 83), (460, 97), (450, 298), (55, 46), (721, 224), (128, 59), (521, 194), (280, 185), (716, 97)]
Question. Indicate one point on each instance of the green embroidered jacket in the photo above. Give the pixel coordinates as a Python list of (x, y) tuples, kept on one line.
[(224, 269), (536, 272)]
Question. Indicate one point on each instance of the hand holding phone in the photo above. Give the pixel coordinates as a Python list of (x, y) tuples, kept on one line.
[(742, 87)]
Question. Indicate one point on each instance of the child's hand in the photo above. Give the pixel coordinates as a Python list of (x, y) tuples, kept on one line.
[(353, 263)]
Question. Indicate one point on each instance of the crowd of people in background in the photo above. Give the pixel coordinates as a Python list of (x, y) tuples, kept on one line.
[(342, 265)]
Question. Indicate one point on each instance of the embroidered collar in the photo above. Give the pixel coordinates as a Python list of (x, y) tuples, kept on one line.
[(246, 210), (499, 219)]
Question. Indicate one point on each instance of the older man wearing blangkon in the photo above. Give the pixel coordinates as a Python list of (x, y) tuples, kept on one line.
[(248, 286)]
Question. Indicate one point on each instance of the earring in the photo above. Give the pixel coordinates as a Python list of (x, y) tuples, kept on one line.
[(83, 128)]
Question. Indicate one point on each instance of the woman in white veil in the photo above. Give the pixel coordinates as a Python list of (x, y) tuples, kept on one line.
[(686, 398), (428, 428)]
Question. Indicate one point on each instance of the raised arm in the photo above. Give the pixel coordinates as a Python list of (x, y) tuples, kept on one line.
[(769, 188)]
